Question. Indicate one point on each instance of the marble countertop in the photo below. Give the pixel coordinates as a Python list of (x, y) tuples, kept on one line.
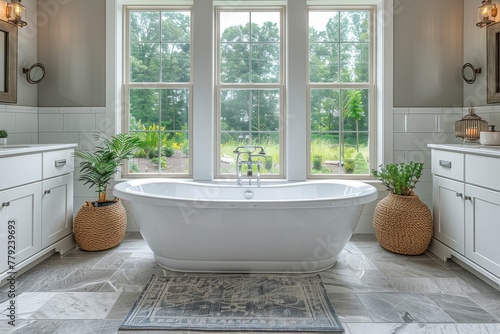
[(10, 150), (468, 148)]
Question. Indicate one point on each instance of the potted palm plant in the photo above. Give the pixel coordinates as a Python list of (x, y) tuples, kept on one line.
[(3, 137), (101, 224), (402, 222)]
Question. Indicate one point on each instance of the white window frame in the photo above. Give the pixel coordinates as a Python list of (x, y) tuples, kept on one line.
[(128, 85), (371, 86), (203, 101), (281, 86)]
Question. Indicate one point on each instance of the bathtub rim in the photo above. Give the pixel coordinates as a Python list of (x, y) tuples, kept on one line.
[(367, 194)]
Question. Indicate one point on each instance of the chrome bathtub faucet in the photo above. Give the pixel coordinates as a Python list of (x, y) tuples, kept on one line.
[(250, 153)]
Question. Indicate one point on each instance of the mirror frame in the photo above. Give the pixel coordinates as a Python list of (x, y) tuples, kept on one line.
[(493, 58), (10, 93)]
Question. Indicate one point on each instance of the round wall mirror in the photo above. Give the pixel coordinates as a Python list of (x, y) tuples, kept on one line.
[(469, 73), (35, 73)]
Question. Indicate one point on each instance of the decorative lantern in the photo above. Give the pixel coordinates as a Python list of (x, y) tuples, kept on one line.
[(16, 13), (469, 127), (486, 14)]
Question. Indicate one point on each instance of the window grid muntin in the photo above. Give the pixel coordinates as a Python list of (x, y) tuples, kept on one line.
[(128, 85), (370, 85), (250, 86)]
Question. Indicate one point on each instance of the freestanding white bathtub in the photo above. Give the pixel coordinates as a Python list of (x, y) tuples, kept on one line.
[(288, 227)]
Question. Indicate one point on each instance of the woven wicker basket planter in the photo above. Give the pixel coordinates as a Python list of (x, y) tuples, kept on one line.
[(403, 224), (100, 228)]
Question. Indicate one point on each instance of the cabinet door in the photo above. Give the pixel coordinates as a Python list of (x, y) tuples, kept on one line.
[(483, 227), (22, 205), (448, 212), (57, 209)]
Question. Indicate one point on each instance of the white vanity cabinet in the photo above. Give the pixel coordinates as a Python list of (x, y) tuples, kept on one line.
[(57, 209), (448, 212), (20, 193), (482, 210), (36, 198), (483, 228), (57, 196), (466, 206), (21, 209)]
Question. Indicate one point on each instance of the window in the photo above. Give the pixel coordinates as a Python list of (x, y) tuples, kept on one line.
[(158, 90), (247, 93), (250, 86), (340, 91)]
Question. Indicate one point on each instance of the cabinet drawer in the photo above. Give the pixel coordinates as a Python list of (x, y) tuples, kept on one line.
[(482, 171), (57, 163), (448, 164), (19, 170)]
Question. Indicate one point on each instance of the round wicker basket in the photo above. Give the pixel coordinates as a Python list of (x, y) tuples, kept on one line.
[(403, 224), (100, 228)]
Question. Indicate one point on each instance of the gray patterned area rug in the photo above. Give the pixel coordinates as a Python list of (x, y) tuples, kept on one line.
[(233, 302)]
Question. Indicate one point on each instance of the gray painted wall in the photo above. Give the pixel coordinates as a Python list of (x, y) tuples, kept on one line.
[(71, 45), (26, 54), (428, 53)]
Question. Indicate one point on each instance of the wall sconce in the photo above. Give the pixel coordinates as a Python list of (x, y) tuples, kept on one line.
[(486, 14), (15, 12)]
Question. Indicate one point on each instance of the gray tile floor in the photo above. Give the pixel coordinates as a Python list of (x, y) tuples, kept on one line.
[(372, 290)]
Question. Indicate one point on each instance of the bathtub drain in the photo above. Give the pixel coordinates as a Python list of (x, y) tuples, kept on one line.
[(248, 194)]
